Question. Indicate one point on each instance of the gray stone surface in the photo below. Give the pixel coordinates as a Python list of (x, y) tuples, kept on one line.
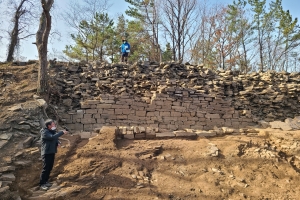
[(3, 143), (7, 169), (8, 177), (5, 136), (165, 135)]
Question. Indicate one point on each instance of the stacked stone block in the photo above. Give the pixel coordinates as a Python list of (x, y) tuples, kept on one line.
[(171, 96)]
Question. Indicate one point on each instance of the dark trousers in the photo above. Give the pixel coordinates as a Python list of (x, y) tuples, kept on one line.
[(48, 161), (124, 57)]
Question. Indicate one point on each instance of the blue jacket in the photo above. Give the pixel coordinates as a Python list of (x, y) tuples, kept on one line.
[(49, 141), (125, 48)]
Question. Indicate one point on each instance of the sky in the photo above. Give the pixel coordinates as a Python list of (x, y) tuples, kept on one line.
[(56, 44)]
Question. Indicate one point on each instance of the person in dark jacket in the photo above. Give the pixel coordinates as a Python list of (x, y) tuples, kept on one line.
[(125, 50), (50, 141)]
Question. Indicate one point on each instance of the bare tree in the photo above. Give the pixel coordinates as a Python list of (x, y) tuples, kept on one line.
[(42, 36), (148, 13), (80, 10), (179, 22), (23, 15)]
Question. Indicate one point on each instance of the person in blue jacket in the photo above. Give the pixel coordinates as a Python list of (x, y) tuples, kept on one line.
[(125, 50), (50, 141)]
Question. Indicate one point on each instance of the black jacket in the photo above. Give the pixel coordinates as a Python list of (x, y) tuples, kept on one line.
[(49, 141)]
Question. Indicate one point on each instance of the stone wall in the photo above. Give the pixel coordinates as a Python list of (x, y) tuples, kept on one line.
[(170, 96)]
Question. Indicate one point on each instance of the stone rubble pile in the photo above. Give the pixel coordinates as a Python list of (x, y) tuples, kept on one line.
[(24, 117), (13, 162)]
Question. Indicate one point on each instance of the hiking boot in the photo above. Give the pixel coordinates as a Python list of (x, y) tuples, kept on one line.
[(48, 184), (44, 187)]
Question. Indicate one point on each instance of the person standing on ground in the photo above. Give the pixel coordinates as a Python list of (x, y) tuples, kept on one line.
[(125, 50), (50, 141)]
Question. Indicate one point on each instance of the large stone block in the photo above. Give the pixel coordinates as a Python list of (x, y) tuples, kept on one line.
[(91, 111), (165, 114), (140, 113), (212, 116), (165, 135), (104, 106), (185, 134), (202, 133), (7, 177), (175, 114), (88, 121)]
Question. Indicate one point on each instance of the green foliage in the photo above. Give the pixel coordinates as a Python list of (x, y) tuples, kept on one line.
[(167, 54), (94, 39)]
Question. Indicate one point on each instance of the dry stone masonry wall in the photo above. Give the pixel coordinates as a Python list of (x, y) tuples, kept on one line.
[(170, 96)]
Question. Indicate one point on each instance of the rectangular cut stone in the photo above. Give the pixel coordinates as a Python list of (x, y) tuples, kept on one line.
[(150, 135), (165, 114), (128, 136), (165, 135), (126, 111), (158, 103), (92, 102), (122, 116), (227, 116), (88, 127), (84, 135), (212, 116), (186, 114), (197, 127), (175, 114), (189, 123), (91, 111), (109, 101), (168, 119), (205, 133), (136, 130), (118, 111), (142, 129), (178, 108), (140, 113), (85, 106), (104, 106), (140, 136), (109, 111), (116, 106), (184, 134), (87, 116)]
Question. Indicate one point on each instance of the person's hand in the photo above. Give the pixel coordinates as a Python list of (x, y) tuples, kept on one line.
[(65, 132)]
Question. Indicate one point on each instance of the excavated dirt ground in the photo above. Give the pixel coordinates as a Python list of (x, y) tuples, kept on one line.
[(257, 166)]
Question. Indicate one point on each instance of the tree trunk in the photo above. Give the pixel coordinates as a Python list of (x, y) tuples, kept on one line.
[(15, 32), (42, 43), (13, 41)]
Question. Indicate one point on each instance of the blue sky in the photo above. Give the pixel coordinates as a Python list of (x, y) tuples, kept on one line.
[(57, 44)]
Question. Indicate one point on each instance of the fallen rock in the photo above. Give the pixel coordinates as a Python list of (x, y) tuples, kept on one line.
[(281, 125), (27, 142), (15, 108), (5, 136), (4, 189), (202, 133), (7, 169), (8, 177), (3, 143)]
